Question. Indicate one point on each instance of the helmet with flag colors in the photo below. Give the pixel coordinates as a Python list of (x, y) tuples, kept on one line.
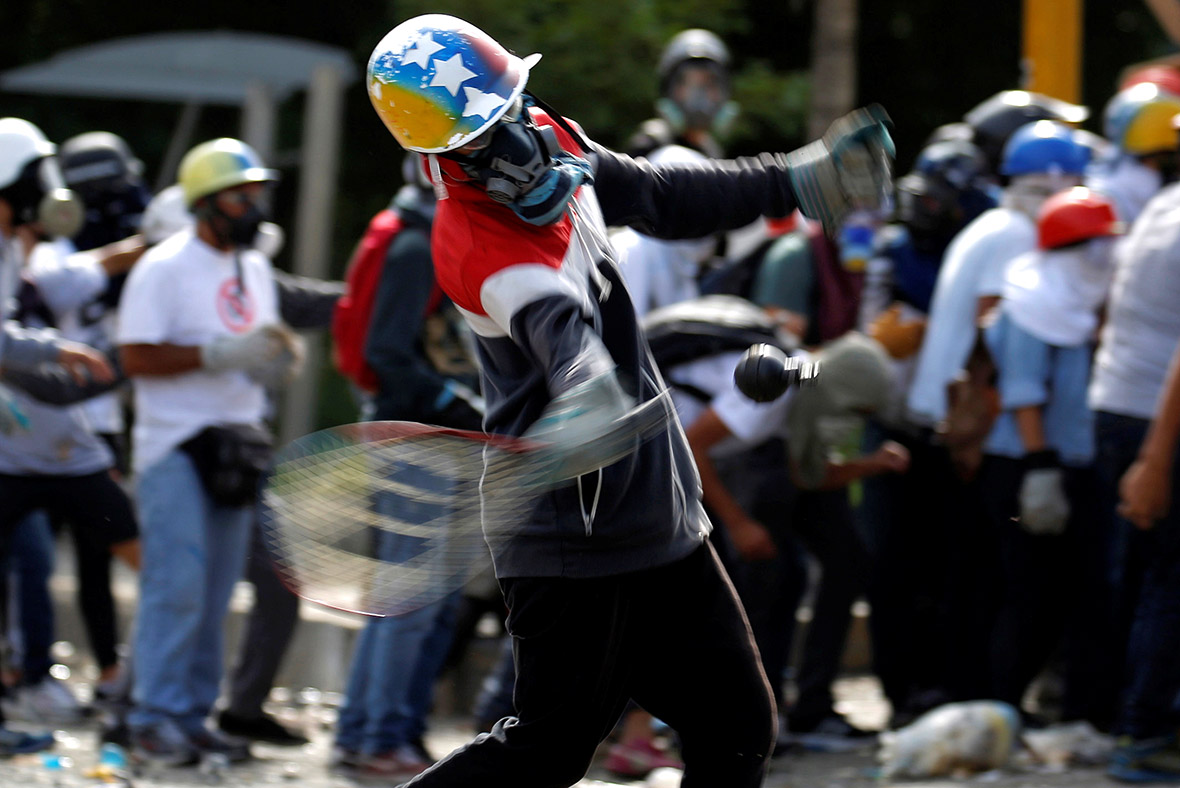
[(1167, 77), (1139, 119), (438, 82), (1075, 215)]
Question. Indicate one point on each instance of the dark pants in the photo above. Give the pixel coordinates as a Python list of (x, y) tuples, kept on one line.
[(802, 522), (824, 523), (674, 638), (1146, 578), (93, 502), (268, 633), (770, 590), (925, 580), (1054, 594)]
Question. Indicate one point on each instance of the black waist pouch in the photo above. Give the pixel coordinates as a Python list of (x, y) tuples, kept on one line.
[(231, 459)]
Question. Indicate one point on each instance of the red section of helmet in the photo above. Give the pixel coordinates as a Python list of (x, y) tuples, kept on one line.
[(1075, 215), (1167, 77)]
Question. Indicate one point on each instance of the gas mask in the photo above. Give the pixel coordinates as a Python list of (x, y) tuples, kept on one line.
[(240, 231), (524, 167), (39, 196), (697, 97)]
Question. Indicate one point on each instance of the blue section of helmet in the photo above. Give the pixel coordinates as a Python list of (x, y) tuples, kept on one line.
[(1045, 147)]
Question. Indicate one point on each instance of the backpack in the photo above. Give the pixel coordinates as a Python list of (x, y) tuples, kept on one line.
[(705, 326), (354, 310)]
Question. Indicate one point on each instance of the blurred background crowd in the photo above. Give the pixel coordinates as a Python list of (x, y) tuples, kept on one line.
[(986, 458)]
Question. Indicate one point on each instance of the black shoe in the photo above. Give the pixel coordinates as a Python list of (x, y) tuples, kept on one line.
[(831, 734), (210, 742), (264, 728), (116, 732)]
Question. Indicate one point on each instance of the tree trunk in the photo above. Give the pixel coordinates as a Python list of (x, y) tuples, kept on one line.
[(833, 63)]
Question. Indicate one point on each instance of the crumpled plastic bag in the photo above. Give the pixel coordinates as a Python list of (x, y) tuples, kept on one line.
[(951, 740), (1075, 743)]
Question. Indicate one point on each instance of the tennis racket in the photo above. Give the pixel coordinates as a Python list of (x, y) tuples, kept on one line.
[(383, 518)]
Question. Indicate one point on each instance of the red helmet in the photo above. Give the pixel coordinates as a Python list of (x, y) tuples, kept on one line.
[(1167, 77), (1075, 215)]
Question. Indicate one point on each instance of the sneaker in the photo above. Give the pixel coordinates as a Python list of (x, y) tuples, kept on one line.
[(48, 701), (400, 764), (832, 734), (211, 742), (163, 743), (638, 759), (263, 728), (1145, 760), (20, 743), (115, 731)]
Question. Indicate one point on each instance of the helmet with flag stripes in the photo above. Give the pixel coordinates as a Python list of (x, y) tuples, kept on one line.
[(438, 82)]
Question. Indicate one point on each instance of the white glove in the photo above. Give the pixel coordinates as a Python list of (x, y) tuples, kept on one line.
[(286, 364), (1044, 509), (12, 418), (265, 353), (847, 170)]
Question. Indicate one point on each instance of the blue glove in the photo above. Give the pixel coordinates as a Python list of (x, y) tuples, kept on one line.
[(847, 170)]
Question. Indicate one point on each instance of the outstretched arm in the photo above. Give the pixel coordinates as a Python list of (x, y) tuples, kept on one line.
[(847, 170)]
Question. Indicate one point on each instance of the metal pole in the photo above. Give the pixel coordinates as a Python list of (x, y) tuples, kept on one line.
[(833, 63), (181, 141), (322, 119), (258, 120)]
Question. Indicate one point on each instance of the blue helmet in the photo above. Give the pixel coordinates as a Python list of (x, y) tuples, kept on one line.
[(1045, 146)]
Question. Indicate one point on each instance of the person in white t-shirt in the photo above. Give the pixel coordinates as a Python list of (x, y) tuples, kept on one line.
[(658, 272), (1138, 342), (199, 336), (1041, 159)]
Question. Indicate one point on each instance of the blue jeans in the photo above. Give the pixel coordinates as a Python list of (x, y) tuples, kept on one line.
[(1148, 588), (391, 681), (193, 554), (30, 555)]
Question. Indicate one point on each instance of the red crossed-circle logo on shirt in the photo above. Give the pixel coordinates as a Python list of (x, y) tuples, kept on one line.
[(235, 307)]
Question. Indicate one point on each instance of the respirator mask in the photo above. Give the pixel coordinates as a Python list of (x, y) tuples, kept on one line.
[(237, 231), (522, 165), (39, 196)]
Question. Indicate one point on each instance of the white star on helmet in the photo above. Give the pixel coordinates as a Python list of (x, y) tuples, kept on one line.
[(480, 103), (423, 49), (450, 74)]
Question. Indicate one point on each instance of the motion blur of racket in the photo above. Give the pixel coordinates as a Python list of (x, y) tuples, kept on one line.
[(383, 518)]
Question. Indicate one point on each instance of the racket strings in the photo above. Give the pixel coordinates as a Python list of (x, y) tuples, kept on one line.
[(387, 525)]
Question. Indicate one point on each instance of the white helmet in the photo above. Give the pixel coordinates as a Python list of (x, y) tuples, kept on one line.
[(31, 181), (21, 143), (165, 215)]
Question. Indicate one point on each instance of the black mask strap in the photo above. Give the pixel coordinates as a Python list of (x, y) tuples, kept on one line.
[(560, 121)]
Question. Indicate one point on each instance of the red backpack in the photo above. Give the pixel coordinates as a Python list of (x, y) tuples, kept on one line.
[(354, 310)]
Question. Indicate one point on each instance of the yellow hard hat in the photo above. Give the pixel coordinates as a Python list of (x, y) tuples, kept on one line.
[(220, 164)]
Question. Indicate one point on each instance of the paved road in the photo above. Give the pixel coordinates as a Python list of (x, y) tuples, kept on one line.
[(305, 767)]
